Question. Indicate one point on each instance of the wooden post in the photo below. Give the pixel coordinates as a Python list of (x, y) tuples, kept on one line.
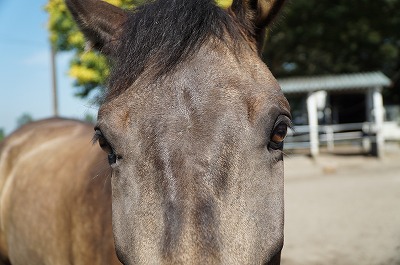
[(313, 123), (54, 80)]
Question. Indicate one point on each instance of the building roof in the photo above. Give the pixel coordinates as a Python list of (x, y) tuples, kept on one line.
[(334, 82)]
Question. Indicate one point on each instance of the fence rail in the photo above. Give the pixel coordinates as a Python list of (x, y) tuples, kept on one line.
[(330, 135)]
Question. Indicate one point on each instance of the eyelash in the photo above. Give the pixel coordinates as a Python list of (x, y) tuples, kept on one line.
[(96, 136)]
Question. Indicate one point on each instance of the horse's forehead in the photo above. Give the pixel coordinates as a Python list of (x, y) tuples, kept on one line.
[(181, 110), (213, 77)]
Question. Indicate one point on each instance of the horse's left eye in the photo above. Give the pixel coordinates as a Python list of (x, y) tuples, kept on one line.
[(278, 136)]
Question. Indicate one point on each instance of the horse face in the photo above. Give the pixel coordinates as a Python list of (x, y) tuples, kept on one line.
[(196, 147)]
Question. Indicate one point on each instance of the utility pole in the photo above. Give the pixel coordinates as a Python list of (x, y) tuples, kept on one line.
[(54, 80)]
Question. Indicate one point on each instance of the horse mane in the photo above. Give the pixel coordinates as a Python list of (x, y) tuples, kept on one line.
[(162, 34)]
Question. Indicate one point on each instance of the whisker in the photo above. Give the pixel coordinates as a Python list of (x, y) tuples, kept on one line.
[(107, 178), (287, 155), (102, 166)]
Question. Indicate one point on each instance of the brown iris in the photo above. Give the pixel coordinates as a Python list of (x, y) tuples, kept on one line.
[(279, 133)]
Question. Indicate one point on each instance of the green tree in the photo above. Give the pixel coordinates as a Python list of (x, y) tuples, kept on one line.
[(24, 119), (2, 134), (331, 37), (90, 118), (88, 68), (312, 38)]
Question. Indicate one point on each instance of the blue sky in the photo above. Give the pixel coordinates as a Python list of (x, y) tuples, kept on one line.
[(25, 72)]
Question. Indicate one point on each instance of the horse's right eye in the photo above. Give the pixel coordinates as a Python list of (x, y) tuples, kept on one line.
[(99, 137), (105, 145), (112, 158)]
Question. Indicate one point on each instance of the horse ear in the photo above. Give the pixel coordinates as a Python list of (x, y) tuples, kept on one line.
[(260, 12), (99, 21), (265, 11)]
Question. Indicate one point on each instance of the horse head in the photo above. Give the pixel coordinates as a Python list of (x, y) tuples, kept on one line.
[(193, 124)]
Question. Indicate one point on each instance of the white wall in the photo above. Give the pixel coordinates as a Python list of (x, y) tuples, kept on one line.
[(391, 130)]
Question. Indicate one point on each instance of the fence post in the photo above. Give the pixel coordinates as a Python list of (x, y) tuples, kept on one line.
[(379, 118), (313, 123), (330, 139)]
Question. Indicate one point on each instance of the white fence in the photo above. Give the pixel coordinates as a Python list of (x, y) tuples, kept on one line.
[(361, 134)]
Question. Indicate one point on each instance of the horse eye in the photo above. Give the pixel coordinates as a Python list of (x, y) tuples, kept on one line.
[(278, 135), (112, 158), (103, 143)]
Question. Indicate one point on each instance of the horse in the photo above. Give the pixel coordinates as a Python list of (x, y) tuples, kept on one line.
[(55, 197), (192, 127)]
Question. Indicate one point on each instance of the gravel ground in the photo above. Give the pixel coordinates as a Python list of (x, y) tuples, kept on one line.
[(342, 210)]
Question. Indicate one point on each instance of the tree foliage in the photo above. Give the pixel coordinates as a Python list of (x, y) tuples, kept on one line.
[(88, 68), (25, 118), (2, 134), (312, 38), (331, 37)]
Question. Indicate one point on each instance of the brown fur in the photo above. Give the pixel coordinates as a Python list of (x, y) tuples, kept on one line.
[(195, 184), (55, 204), (187, 127)]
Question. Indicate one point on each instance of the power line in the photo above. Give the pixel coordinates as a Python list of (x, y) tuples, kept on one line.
[(23, 42)]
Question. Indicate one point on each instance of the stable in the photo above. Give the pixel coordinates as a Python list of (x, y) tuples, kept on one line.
[(333, 108)]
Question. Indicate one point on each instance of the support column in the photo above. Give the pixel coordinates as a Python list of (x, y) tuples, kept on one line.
[(369, 104), (313, 123), (378, 111), (368, 127)]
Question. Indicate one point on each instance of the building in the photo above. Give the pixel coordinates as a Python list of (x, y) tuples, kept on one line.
[(333, 108)]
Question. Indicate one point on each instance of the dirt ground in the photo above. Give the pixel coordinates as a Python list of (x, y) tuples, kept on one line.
[(342, 210)]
